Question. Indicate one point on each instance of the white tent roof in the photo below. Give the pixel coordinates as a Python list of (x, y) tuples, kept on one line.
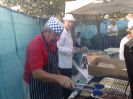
[(124, 6)]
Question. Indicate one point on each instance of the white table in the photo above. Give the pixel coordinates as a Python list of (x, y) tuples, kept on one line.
[(112, 52)]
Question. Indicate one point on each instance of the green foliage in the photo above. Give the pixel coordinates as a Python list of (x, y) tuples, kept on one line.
[(117, 15), (39, 8), (11, 3)]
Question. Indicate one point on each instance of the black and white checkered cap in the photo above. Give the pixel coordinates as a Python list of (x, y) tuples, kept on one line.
[(55, 25)]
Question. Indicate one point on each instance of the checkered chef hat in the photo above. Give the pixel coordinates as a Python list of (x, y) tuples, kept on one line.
[(55, 25)]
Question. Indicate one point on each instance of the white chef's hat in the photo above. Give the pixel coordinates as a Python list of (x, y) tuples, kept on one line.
[(56, 25), (68, 17)]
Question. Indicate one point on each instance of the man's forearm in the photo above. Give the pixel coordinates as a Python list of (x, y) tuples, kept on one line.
[(45, 76), (49, 77)]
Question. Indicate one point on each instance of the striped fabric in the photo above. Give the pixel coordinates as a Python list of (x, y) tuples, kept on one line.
[(42, 90)]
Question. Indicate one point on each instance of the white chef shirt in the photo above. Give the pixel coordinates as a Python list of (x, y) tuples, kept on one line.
[(114, 30), (121, 50), (65, 48)]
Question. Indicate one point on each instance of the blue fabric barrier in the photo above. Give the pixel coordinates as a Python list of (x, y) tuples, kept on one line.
[(16, 31)]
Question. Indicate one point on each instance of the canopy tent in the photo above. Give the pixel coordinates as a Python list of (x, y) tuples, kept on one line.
[(92, 11), (124, 6)]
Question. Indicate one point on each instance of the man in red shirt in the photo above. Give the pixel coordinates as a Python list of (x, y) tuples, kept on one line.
[(41, 66)]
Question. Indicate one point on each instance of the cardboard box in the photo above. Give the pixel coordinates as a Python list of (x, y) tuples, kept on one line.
[(105, 66)]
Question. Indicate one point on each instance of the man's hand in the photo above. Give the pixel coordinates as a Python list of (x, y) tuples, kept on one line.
[(65, 81), (76, 50)]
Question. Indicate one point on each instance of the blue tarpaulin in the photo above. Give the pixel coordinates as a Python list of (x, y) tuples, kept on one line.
[(90, 30), (16, 30)]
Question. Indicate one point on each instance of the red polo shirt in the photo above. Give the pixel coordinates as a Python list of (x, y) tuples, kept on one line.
[(36, 56)]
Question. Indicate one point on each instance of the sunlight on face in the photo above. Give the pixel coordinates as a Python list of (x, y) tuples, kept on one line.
[(68, 24)]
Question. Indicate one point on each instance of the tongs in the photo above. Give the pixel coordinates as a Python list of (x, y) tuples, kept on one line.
[(81, 89), (84, 85), (78, 87)]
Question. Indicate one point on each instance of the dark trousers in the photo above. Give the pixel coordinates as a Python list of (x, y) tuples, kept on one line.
[(66, 72), (112, 41)]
